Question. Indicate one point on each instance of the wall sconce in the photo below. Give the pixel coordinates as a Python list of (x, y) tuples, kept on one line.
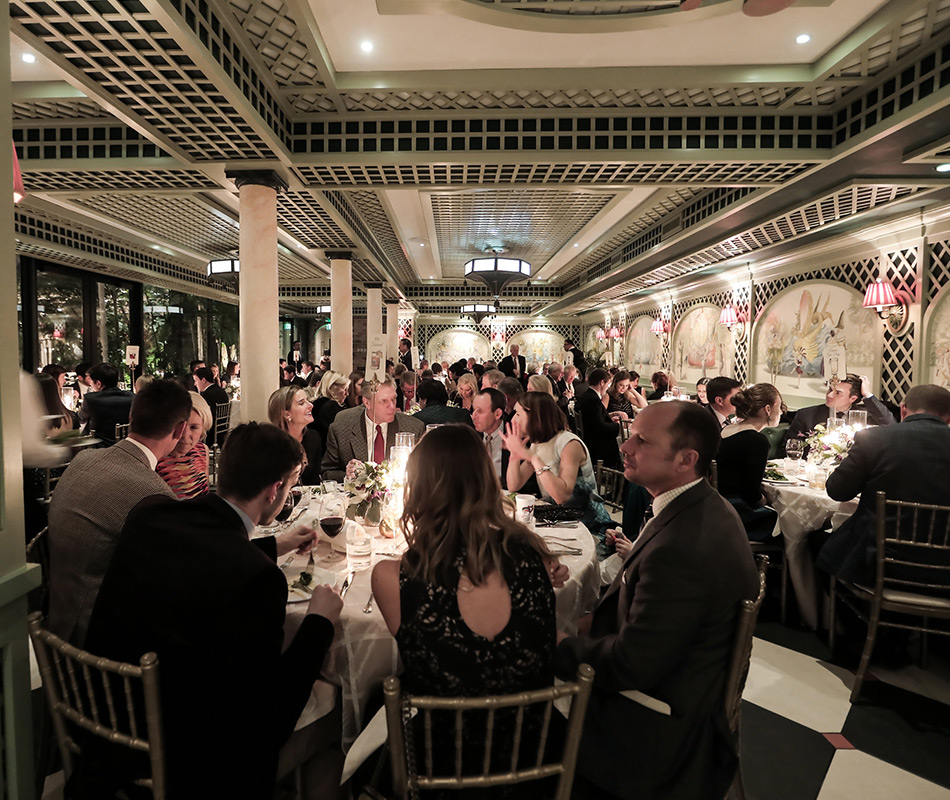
[(600, 334), (730, 319), (888, 304), (613, 333), (659, 328)]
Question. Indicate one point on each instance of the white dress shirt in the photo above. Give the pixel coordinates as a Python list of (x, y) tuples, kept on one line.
[(495, 444), (152, 458)]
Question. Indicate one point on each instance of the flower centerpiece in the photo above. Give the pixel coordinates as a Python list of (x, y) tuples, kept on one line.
[(368, 489), (829, 447)]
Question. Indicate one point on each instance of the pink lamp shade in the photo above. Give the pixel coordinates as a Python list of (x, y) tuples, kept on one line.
[(762, 8), (728, 316), (613, 333), (18, 191), (880, 295), (658, 327)]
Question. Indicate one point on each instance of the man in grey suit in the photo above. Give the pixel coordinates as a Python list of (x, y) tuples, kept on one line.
[(94, 497), (661, 637), (367, 433)]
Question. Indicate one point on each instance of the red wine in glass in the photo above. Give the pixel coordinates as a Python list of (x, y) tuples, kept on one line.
[(331, 525)]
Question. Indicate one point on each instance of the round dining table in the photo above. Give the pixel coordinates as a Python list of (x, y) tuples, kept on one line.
[(364, 653), (802, 509)]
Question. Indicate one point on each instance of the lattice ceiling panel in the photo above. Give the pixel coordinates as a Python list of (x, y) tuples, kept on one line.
[(300, 214), (378, 224), (57, 109), (180, 220), (110, 180), (648, 218), (127, 52), (831, 208), (532, 224), (576, 172), (291, 268), (271, 28), (898, 41)]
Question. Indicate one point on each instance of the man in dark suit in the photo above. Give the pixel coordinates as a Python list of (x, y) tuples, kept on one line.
[(213, 394), (488, 408), (719, 393), (577, 359), (660, 639), (433, 399), (187, 583), (94, 497), (106, 405), (405, 353), (854, 392), (599, 430), (367, 433), (295, 357), (910, 461), (515, 366)]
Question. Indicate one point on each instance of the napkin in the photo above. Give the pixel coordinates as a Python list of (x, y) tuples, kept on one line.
[(372, 737)]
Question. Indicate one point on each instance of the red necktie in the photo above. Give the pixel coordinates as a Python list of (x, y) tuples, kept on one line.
[(379, 446)]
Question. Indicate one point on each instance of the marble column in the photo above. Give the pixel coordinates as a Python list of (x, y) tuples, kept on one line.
[(341, 312), (260, 342), (374, 311), (392, 331)]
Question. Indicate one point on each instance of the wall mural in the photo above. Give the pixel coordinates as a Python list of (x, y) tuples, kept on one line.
[(938, 350), (702, 348), (540, 345), (810, 331), (597, 347), (456, 343), (643, 351)]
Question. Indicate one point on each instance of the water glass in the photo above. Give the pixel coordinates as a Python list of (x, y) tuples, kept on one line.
[(405, 440), (794, 449), (858, 420), (430, 428), (359, 547)]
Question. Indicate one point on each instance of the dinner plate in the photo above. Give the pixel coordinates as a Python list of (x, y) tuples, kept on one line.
[(786, 482)]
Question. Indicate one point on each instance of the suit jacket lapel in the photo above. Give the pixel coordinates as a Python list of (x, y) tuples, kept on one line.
[(360, 451), (391, 434)]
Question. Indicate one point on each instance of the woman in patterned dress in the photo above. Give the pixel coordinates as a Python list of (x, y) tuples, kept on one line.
[(185, 469)]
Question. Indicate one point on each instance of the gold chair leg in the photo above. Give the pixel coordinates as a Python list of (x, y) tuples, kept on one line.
[(866, 654), (832, 620)]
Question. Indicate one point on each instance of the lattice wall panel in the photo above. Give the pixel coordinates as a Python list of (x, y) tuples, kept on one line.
[(939, 268), (548, 173), (531, 224)]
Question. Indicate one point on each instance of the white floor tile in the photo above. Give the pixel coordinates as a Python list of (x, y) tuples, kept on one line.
[(810, 692), (854, 775)]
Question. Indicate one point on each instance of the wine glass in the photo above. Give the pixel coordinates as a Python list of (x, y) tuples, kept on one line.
[(794, 449), (332, 520)]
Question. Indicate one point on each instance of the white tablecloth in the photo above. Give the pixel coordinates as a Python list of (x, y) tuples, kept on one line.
[(802, 509), (364, 653)]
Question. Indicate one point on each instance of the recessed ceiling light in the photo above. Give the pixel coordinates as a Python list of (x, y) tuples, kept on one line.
[(29, 58), (366, 46), (943, 168), (422, 244), (803, 38), (576, 244)]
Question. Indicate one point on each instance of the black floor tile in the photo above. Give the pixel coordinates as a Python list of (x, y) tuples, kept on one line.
[(905, 729), (781, 760), (801, 640)]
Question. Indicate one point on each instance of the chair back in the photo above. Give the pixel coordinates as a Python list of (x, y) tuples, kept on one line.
[(222, 421), (610, 486), (913, 548), (742, 649), (626, 428), (121, 431), (713, 475), (407, 781), (108, 699)]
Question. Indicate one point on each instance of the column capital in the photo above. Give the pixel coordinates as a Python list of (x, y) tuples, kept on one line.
[(372, 284), (257, 177), (338, 255)]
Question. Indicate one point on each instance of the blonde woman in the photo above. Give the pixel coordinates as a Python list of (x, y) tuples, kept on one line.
[(185, 469), (289, 409), (467, 389), (540, 383), (330, 401)]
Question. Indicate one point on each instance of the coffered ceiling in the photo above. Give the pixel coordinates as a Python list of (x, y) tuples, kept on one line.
[(617, 146)]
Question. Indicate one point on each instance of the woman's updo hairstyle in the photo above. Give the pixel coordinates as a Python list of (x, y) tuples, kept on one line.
[(750, 401)]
